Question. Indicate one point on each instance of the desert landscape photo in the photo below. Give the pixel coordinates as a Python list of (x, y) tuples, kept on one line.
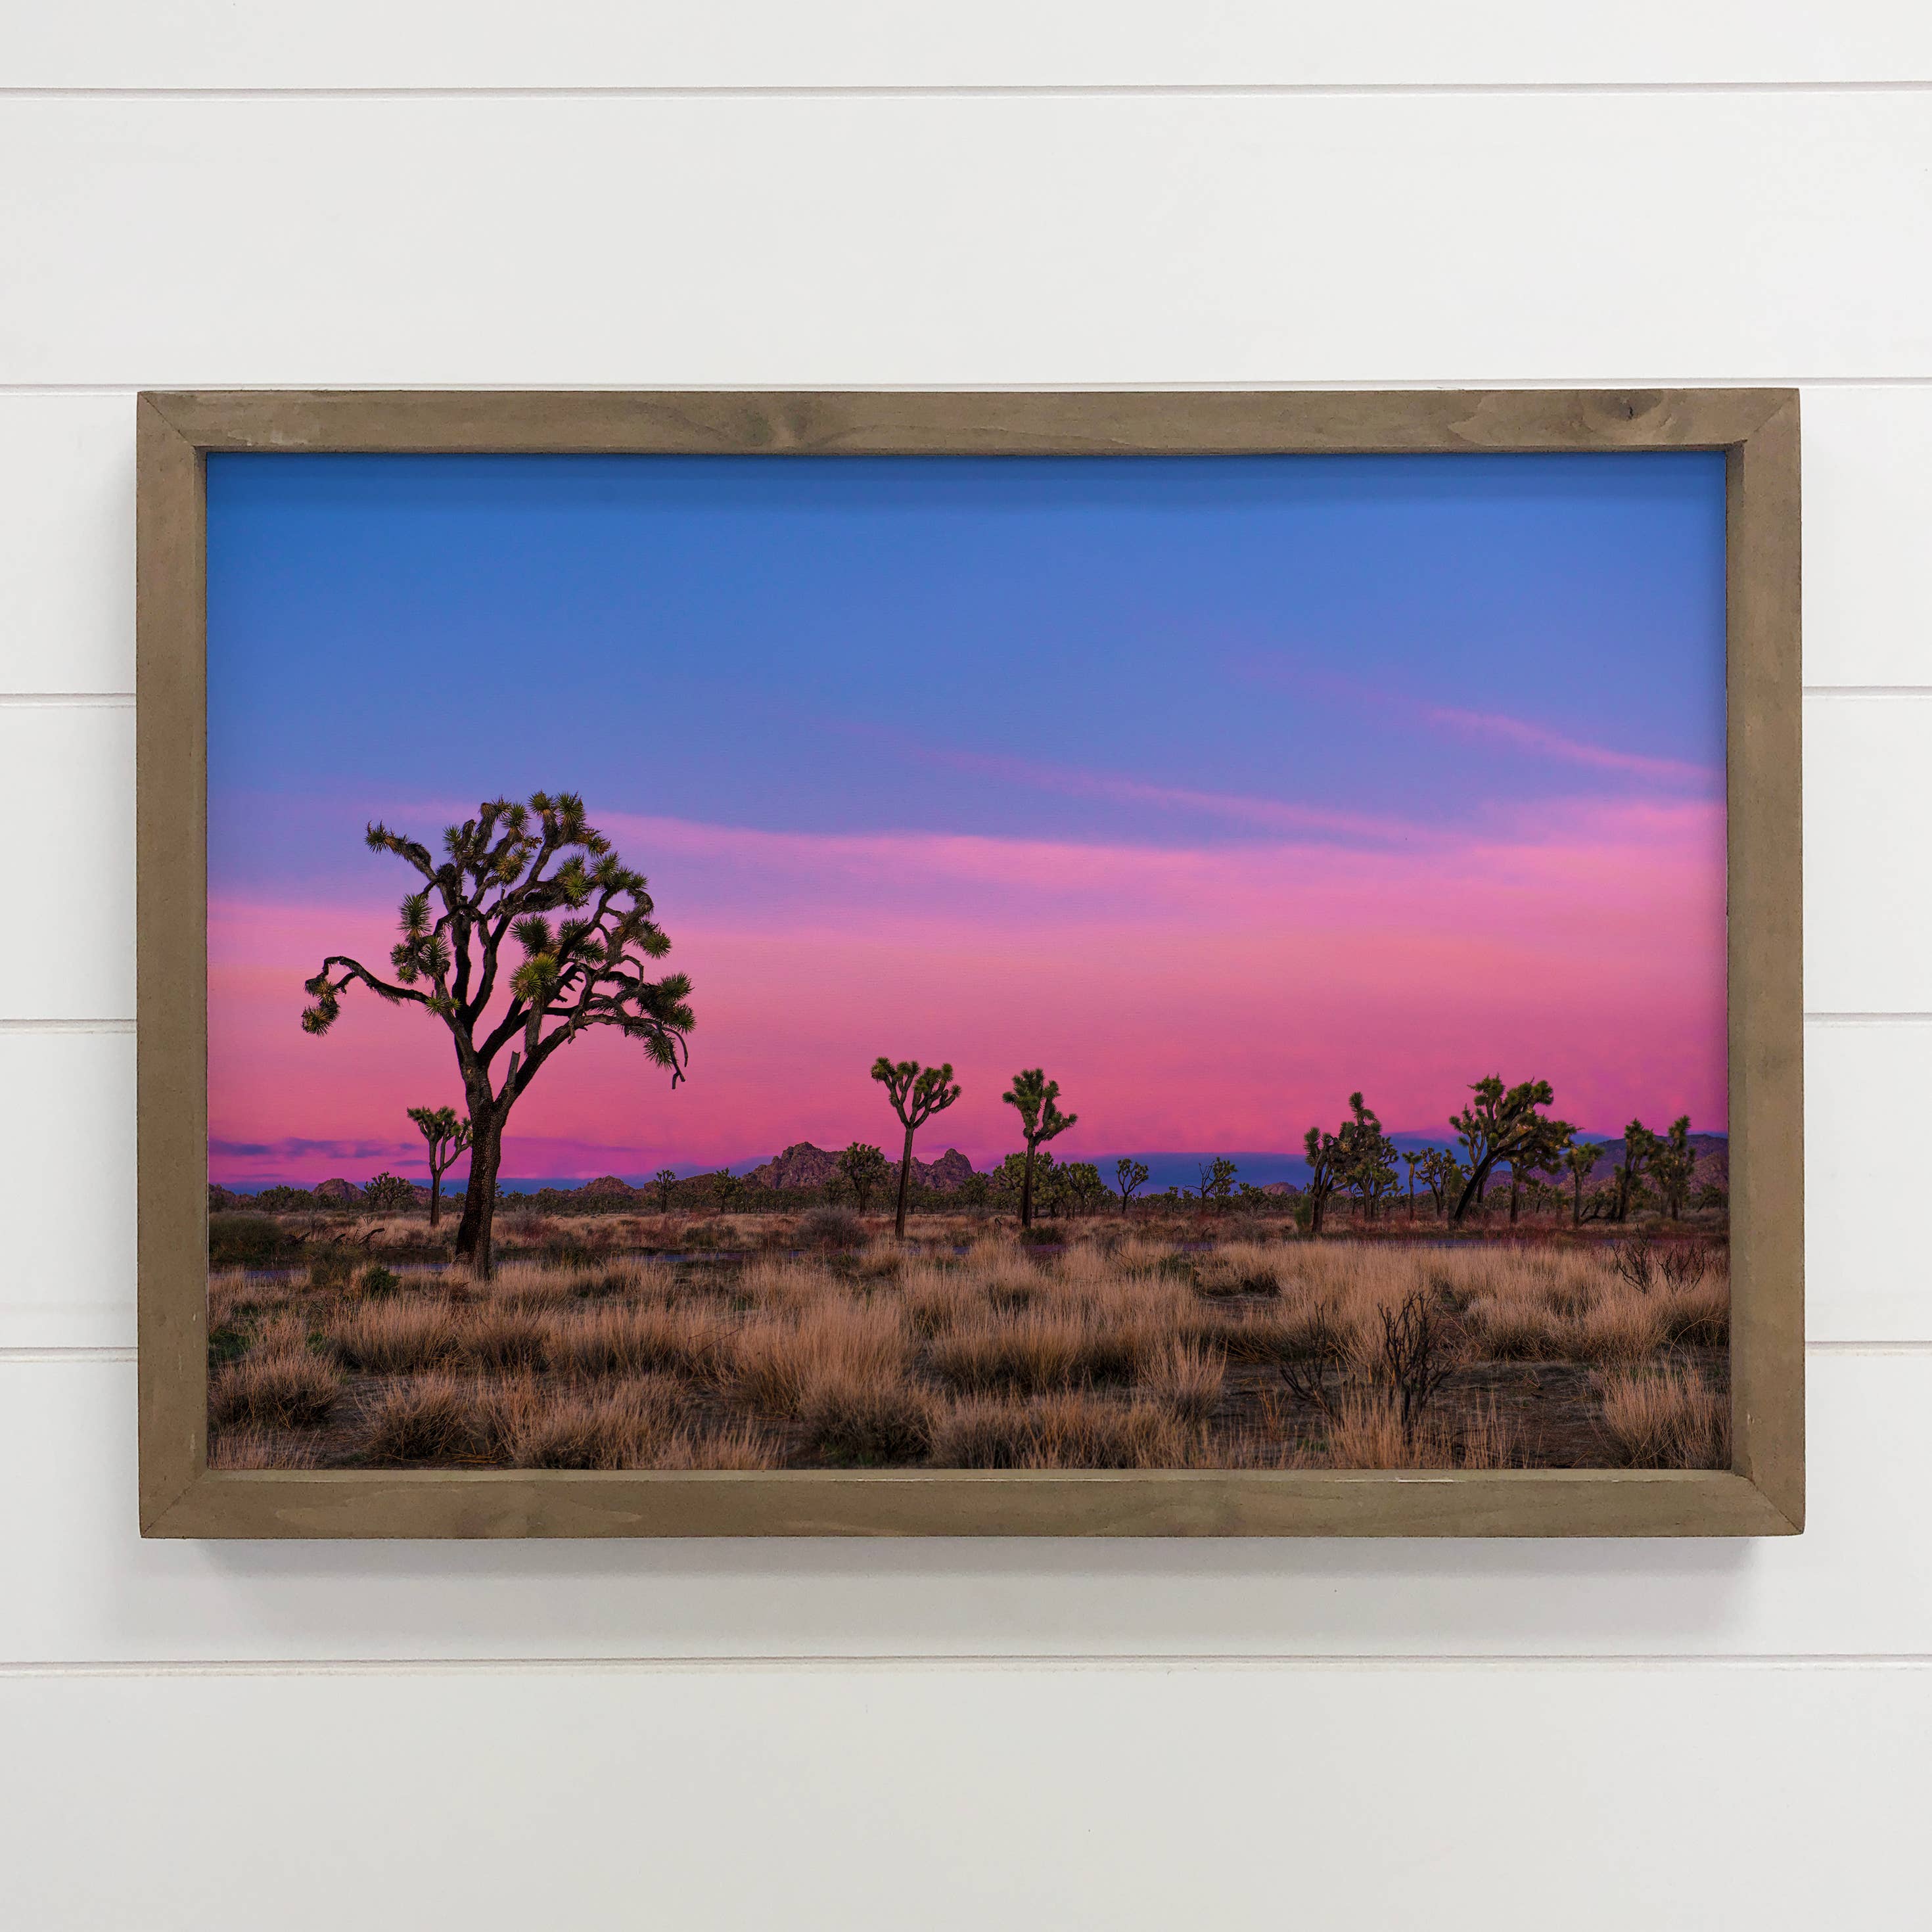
[(717, 964)]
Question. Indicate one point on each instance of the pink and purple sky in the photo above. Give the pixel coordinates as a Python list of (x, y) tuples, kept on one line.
[(1218, 788)]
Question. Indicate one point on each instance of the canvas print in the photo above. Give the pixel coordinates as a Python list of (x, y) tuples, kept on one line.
[(739, 963)]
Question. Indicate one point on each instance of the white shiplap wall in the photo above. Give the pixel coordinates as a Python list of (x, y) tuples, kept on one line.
[(1331, 1735)]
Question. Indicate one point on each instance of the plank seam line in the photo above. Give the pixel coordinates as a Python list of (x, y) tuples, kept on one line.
[(47, 1026), (888, 91), (1016, 386), (975, 1662)]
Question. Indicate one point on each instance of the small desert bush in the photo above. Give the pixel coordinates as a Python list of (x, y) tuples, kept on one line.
[(1025, 1354), (428, 1418), (1240, 1268), (776, 1362), (533, 1425), (507, 1339), (743, 1446), (1667, 1419), (399, 1337), (856, 1418), (1700, 1313), (1186, 1381), (617, 1340), (831, 1228), (274, 1387), (1623, 1324), (331, 1271)]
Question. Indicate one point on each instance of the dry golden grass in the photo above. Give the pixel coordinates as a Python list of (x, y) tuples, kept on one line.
[(250, 1449), (1122, 1350), (281, 1383), (1667, 1419)]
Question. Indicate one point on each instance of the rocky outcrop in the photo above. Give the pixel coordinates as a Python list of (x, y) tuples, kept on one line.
[(339, 1193), (804, 1165), (608, 1187)]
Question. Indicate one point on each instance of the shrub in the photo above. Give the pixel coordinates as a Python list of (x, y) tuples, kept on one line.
[(854, 1418), (398, 1337), (615, 1427), (331, 1271), (276, 1388), (250, 1449), (1186, 1381), (377, 1279), (1068, 1431), (1674, 1419), (831, 1228), (427, 1419), (246, 1240)]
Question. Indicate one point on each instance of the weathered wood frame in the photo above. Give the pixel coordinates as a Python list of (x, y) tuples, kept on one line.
[(1762, 1495)]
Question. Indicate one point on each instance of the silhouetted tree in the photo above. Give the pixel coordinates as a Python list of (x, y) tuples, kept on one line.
[(1672, 1166), (1539, 1152), (1412, 1161), (1442, 1174), (724, 1185), (865, 1169), (1323, 1152), (389, 1194), (447, 1134), (1217, 1180), (1579, 1157), (1128, 1176), (1500, 1125), (665, 1180), (1036, 1099), (1082, 1185), (1366, 1160), (916, 1095), (505, 872), (1640, 1148)]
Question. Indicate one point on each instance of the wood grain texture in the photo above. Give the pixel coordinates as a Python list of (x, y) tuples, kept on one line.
[(1763, 1496), (171, 981)]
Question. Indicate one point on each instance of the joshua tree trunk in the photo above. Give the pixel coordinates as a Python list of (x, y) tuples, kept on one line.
[(435, 1197), (905, 1187), (479, 1202), (1515, 1193), (1026, 1190)]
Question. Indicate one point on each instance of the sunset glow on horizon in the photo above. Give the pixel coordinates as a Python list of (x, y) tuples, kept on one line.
[(1219, 789)]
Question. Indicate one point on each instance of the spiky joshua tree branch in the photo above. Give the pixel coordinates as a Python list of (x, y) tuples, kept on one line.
[(1037, 1100), (447, 1134), (539, 874), (917, 1093)]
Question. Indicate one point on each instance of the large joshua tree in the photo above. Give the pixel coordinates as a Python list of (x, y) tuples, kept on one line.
[(504, 875), (447, 1134), (917, 1093), (1037, 1101), (1502, 1124)]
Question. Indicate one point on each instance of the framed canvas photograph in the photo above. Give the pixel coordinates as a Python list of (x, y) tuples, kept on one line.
[(1048, 963)]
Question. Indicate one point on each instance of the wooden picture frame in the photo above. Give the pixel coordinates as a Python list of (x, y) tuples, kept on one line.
[(1762, 1494)]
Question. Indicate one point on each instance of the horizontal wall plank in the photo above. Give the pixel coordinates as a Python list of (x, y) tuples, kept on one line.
[(67, 1190), (67, 543), (1523, 238), (67, 796), (1460, 1798), (439, 43), (83, 1588), (1867, 801), (1868, 507)]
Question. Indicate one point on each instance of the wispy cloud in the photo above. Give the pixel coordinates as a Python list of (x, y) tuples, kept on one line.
[(1538, 738)]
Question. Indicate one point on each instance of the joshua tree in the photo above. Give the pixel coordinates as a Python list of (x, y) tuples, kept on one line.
[(864, 1168), (1640, 1148), (1672, 1166), (1579, 1157), (505, 873), (1540, 1152), (663, 1180), (1082, 1184), (724, 1184), (447, 1134), (1503, 1125), (389, 1194), (1365, 1160), (1323, 1151), (1128, 1175), (1037, 1101), (1217, 1180), (917, 1093), (1412, 1161)]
